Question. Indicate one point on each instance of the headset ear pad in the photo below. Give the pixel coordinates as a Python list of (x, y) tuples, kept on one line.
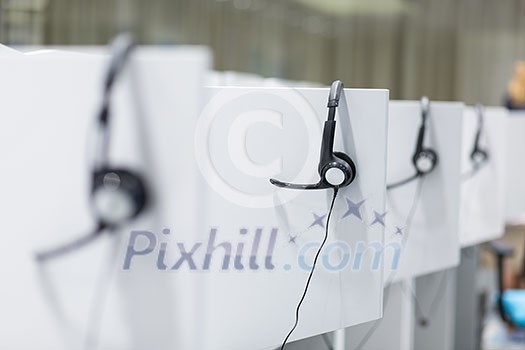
[(118, 195), (479, 156), (352, 171), (425, 161)]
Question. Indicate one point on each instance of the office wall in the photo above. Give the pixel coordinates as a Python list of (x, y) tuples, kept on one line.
[(447, 49)]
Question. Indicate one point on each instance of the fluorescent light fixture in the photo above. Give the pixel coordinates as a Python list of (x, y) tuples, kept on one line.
[(350, 7)]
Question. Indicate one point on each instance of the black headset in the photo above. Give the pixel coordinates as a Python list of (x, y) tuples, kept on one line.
[(117, 194), (425, 159), (336, 169), (479, 155)]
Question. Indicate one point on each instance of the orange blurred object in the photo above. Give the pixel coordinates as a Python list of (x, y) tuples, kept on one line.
[(516, 88)]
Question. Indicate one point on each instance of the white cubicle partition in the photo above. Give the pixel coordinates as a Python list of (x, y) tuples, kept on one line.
[(8, 51), (430, 241), (482, 213), (247, 135), (49, 105), (229, 78), (395, 330), (515, 192)]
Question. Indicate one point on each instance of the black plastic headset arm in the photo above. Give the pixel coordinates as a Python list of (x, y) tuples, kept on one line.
[(327, 145), (335, 93), (317, 186), (479, 109), (120, 50), (425, 107)]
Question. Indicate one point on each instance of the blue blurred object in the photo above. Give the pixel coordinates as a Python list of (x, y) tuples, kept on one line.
[(514, 305)]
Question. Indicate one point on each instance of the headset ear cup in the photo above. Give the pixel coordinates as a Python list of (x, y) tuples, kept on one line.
[(428, 155), (352, 168), (118, 186), (134, 185), (479, 156)]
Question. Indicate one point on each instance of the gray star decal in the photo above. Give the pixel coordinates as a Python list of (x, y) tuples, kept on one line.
[(399, 231), (353, 209), (379, 218), (318, 220)]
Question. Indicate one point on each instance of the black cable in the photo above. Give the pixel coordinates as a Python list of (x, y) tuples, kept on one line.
[(372, 329), (422, 319), (472, 172), (413, 208), (98, 300), (439, 292), (403, 182), (327, 342), (469, 175), (305, 291), (408, 225), (71, 246)]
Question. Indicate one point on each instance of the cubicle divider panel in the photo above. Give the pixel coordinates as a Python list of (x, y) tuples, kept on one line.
[(248, 135), (423, 215), (47, 145), (482, 211)]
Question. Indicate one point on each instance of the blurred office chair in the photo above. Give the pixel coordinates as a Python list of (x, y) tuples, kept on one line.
[(511, 302)]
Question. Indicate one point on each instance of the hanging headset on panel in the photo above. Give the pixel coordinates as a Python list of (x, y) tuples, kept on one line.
[(425, 159), (117, 194), (479, 155), (336, 169)]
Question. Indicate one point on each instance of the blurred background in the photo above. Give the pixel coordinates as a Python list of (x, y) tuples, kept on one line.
[(448, 49), (452, 50)]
